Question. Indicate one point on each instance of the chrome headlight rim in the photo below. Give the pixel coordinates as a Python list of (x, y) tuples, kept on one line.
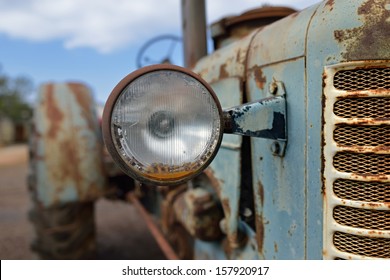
[(109, 138)]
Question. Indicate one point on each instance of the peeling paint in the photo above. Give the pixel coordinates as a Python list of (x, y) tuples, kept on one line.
[(53, 112), (260, 79), (79, 91), (68, 152), (222, 72), (261, 192), (371, 39)]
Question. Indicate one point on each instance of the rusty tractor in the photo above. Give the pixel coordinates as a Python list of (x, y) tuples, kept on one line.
[(274, 146)]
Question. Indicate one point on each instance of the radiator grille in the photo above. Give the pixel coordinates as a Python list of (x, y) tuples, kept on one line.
[(375, 192), (373, 107), (362, 79), (363, 164), (356, 160), (362, 218), (373, 136), (362, 245)]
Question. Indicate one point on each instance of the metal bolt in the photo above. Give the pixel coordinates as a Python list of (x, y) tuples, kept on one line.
[(273, 88), (275, 148), (247, 213)]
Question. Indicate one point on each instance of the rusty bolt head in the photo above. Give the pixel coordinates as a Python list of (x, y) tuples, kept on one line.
[(273, 88), (247, 213)]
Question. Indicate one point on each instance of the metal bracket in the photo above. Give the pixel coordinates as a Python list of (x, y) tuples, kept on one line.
[(265, 118)]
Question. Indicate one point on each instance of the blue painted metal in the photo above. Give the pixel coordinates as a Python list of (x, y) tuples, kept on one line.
[(67, 146), (279, 182), (340, 31), (288, 190), (265, 118), (225, 70)]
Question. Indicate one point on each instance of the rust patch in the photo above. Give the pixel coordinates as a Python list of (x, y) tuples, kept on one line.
[(330, 4), (261, 192), (260, 233), (366, 7), (374, 205), (53, 112), (63, 162), (366, 149), (223, 73), (70, 163), (226, 207), (82, 97), (260, 79), (276, 249), (369, 41)]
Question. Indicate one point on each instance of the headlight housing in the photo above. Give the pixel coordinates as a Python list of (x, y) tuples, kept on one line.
[(163, 124)]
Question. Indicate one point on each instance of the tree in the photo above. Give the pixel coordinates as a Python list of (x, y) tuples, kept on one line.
[(13, 98)]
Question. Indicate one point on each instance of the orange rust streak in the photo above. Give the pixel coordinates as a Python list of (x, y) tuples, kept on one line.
[(54, 114), (223, 73), (259, 77), (84, 100), (261, 192), (72, 159), (260, 233), (159, 237)]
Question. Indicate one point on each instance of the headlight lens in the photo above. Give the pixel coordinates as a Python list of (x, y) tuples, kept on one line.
[(163, 124)]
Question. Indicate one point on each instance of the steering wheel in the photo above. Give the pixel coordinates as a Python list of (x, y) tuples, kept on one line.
[(160, 49)]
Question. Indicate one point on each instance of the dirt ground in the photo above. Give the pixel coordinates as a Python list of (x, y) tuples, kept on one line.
[(121, 234)]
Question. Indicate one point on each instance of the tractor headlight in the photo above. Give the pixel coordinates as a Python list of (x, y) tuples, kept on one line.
[(162, 124)]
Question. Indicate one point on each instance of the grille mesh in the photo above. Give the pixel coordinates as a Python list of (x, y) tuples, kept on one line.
[(373, 107), (362, 218), (362, 245), (362, 79), (366, 164), (362, 135), (376, 192)]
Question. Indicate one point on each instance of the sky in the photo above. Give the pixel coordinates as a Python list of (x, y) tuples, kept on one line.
[(96, 42)]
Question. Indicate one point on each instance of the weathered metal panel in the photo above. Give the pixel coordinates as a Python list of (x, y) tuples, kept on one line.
[(340, 31), (279, 183), (230, 93), (289, 191), (280, 41), (227, 62), (225, 168), (68, 151)]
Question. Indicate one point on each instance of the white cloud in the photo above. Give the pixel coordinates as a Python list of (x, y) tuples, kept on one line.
[(106, 25), (99, 24), (218, 8)]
